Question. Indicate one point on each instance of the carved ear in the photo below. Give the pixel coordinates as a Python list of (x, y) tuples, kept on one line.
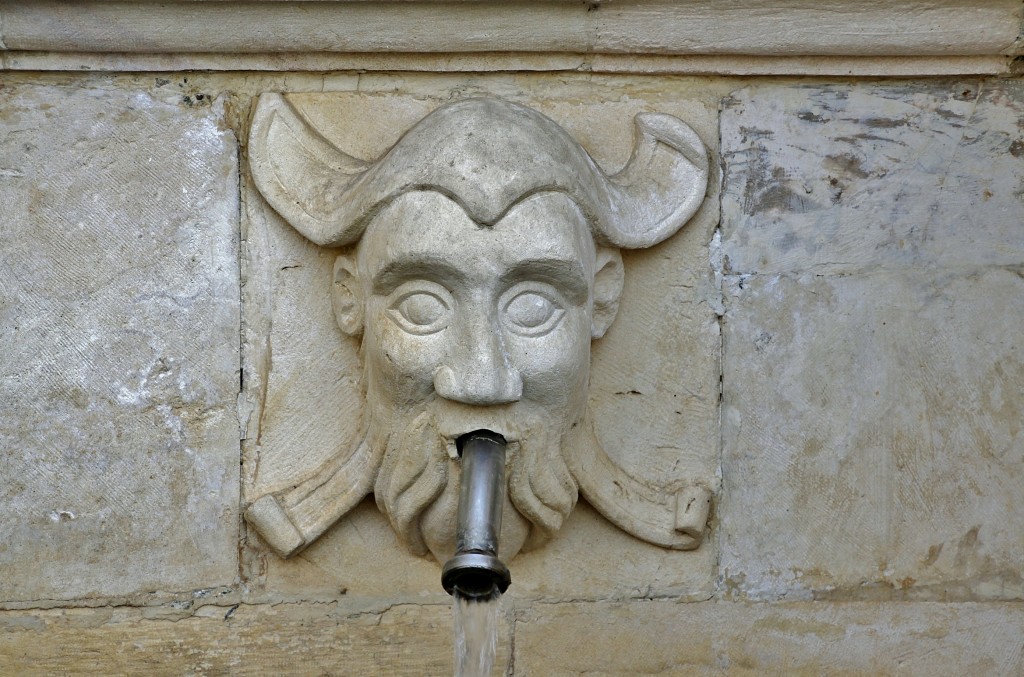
[(347, 296), (300, 173), (661, 186), (607, 290)]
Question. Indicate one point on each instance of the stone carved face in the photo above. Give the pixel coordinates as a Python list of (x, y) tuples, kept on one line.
[(485, 264), (493, 324), (482, 327)]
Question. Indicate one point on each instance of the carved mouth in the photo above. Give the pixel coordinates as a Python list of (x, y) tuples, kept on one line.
[(511, 451), (453, 420), (451, 438)]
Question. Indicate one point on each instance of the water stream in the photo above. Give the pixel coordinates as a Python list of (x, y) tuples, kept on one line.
[(476, 634)]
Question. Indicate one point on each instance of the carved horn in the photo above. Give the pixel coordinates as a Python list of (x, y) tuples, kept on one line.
[(301, 174), (661, 186), (329, 196)]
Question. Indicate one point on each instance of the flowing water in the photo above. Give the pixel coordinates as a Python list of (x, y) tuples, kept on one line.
[(476, 634)]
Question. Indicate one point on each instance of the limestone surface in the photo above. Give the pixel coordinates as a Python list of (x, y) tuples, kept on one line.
[(872, 378), (715, 638), (634, 28), (873, 242), (873, 447), (237, 639), (592, 638), (839, 180), (119, 330)]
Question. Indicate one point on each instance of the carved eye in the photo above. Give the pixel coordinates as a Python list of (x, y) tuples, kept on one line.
[(420, 312), (530, 313)]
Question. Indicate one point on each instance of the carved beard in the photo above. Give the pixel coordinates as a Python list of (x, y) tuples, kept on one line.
[(417, 487)]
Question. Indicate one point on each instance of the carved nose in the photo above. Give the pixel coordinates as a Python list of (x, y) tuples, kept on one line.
[(479, 372)]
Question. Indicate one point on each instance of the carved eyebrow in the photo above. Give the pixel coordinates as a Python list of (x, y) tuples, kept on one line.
[(566, 275), (402, 270)]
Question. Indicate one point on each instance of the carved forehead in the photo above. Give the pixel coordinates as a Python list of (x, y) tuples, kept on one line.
[(487, 155), (429, 227)]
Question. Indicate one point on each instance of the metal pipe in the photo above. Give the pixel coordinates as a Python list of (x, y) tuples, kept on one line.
[(475, 571)]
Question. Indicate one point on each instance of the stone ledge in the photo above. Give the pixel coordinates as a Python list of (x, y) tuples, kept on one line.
[(489, 62), (750, 27)]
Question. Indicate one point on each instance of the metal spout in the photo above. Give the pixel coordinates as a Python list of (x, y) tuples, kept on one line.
[(475, 571)]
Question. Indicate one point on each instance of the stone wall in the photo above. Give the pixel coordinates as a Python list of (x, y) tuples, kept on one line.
[(835, 343)]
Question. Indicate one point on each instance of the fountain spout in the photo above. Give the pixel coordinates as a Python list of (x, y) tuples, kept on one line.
[(475, 572)]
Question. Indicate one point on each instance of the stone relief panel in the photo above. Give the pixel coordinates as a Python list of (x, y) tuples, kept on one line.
[(118, 428), (451, 205)]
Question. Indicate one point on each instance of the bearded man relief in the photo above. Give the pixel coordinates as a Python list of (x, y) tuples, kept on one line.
[(485, 259)]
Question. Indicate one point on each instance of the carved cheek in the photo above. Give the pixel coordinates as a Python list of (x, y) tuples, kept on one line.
[(555, 366), (402, 362)]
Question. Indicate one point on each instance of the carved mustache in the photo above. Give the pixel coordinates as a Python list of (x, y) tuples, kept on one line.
[(417, 467)]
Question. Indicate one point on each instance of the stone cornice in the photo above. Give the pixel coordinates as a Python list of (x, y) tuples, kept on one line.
[(798, 28)]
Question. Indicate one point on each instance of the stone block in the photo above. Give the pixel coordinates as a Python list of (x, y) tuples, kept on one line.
[(119, 320), (654, 381), (872, 240), (872, 436), (280, 639), (841, 179), (811, 638)]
